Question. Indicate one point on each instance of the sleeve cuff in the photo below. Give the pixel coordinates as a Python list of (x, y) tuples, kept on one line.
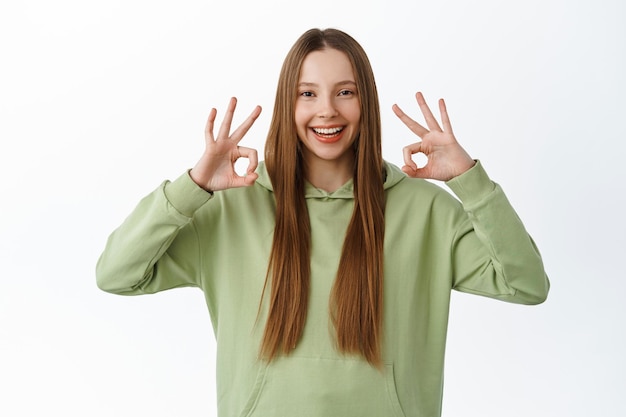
[(473, 185), (185, 195)]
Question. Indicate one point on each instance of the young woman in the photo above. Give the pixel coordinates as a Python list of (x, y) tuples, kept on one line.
[(327, 271)]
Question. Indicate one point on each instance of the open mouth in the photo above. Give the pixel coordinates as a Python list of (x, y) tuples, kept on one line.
[(327, 132)]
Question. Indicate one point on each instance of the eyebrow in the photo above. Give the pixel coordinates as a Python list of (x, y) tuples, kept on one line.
[(346, 82)]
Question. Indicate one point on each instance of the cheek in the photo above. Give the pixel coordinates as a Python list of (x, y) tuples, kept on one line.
[(300, 117), (301, 127), (353, 113)]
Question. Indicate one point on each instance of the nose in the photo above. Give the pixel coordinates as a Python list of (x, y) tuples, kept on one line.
[(327, 108)]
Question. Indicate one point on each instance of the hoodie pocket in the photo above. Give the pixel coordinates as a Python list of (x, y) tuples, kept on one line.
[(314, 387)]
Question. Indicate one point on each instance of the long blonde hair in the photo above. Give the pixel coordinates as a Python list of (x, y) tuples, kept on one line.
[(356, 303)]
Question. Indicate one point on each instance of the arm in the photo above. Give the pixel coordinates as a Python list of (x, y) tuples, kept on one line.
[(492, 254), (156, 248), (159, 230)]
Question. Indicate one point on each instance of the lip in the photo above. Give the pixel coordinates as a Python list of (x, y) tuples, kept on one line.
[(327, 139)]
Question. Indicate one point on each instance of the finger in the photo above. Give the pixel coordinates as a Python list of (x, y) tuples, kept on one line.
[(249, 179), (415, 173), (408, 152), (228, 119), (253, 160), (410, 171), (431, 122), (445, 120), (415, 127), (208, 130), (246, 125), (251, 155)]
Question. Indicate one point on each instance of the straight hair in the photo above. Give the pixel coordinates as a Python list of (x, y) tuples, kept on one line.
[(356, 300)]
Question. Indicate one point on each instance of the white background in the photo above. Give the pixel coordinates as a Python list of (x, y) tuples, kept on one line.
[(102, 100)]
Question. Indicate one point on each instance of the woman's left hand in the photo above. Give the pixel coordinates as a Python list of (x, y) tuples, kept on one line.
[(446, 158)]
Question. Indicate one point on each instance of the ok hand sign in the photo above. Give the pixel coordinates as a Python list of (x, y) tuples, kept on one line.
[(446, 158), (216, 168)]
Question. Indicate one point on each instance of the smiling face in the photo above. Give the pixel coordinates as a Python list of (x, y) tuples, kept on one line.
[(327, 110)]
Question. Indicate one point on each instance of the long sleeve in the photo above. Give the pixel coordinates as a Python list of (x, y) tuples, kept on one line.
[(515, 270), (156, 247)]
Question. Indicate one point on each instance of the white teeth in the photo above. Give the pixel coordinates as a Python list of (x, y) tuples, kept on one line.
[(329, 131)]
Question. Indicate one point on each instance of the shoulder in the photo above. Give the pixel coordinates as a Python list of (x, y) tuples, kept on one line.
[(239, 204), (403, 190)]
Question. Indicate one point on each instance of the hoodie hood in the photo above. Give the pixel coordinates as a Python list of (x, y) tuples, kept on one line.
[(393, 175)]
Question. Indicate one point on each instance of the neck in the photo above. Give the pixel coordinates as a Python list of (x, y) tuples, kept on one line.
[(329, 175)]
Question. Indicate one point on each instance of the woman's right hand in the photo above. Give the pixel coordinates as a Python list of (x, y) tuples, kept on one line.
[(216, 168)]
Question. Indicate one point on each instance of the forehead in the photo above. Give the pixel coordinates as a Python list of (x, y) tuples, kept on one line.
[(326, 66)]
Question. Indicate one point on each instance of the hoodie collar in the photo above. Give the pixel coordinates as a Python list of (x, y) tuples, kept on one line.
[(393, 175)]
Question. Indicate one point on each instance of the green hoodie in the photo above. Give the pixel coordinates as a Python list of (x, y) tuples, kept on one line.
[(180, 235)]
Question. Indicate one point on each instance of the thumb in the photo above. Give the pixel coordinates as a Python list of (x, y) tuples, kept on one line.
[(416, 172)]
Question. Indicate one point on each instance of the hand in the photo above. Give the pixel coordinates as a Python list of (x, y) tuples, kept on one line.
[(216, 169), (446, 158)]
